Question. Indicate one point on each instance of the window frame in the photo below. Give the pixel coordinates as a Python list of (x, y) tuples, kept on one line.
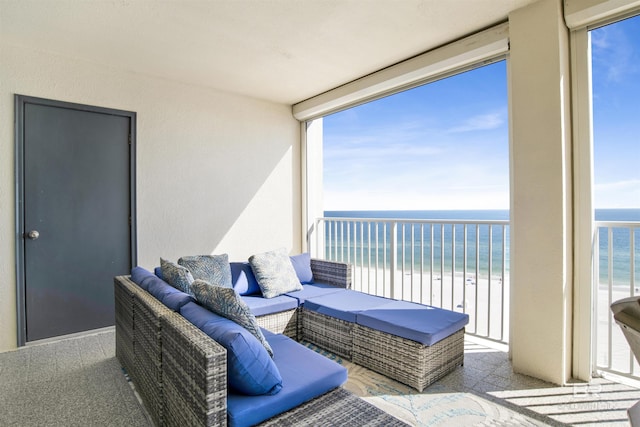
[(581, 18)]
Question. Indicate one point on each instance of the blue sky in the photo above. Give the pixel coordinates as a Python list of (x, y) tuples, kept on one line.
[(445, 145), (616, 114)]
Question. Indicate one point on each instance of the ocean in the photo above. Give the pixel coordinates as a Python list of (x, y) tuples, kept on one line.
[(339, 241)]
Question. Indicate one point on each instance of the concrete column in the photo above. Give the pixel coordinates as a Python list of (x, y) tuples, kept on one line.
[(541, 229), (312, 135)]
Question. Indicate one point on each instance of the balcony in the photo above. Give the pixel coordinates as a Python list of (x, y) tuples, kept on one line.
[(459, 265), (446, 263)]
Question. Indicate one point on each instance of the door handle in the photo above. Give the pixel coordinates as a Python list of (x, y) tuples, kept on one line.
[(33, 234)]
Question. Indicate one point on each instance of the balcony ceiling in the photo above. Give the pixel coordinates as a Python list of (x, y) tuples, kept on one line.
[(278, 50)]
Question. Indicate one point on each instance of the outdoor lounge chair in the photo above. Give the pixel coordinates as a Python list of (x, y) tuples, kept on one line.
[(626, 313)]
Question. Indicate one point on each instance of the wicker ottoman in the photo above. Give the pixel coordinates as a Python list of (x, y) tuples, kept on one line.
[(411, 343), (407, 361), (328, 332), (328, 320)]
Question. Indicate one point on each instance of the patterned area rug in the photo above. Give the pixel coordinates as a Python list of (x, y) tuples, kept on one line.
[(438, 405)]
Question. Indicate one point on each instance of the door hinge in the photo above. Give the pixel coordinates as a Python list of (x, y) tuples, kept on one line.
[(129, 139)]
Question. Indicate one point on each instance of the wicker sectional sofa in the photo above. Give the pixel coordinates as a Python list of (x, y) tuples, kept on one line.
[(181, 373)]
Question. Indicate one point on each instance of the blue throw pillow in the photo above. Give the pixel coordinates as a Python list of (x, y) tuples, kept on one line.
[(302, 265), (213, 269), (274, 273), (250, 370), (176, 275), (226, 302)]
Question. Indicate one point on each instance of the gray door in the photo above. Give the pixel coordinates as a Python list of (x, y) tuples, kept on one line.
[(77, 214)]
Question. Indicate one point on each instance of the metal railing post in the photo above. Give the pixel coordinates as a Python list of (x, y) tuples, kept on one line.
[(393, 255)]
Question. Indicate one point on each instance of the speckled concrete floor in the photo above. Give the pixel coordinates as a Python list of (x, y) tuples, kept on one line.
[(78, 381), (486, 391)]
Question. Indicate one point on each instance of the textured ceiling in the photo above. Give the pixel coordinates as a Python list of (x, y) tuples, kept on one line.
[(279, 50)]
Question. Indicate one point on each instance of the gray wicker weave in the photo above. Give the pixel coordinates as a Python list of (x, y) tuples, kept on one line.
[(331, 272), (180, 373), (147, 347), (330, 333), (194, 375), (284, 322), (124, 324), (335, 408), (407, 361)]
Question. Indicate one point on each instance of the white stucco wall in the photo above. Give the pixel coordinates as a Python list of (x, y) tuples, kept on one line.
[(541, 201), (215, 172)]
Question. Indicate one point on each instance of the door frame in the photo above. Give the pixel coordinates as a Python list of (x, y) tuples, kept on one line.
[(20, 102)]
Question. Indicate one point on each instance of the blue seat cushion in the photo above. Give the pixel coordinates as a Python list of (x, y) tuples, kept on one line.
[(305, 375), (344, 305), (243, 280), (250, 369), (260, 306), (421, 323), (161, 290), (311, 290)]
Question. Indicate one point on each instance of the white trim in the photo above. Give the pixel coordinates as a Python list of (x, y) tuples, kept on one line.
[(581, 13), (453, 58), (81, 334), (304, 186), (583, 219), (512, 198), (313, 197)]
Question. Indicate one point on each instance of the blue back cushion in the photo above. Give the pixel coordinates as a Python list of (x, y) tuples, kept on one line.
[(161, 290), (138, 274), (242, 279), (302, 266), (250, 369)]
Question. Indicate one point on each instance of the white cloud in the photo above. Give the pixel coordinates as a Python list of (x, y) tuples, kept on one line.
[(489, 197), (619, 194), (415, 177), (480, 122)]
